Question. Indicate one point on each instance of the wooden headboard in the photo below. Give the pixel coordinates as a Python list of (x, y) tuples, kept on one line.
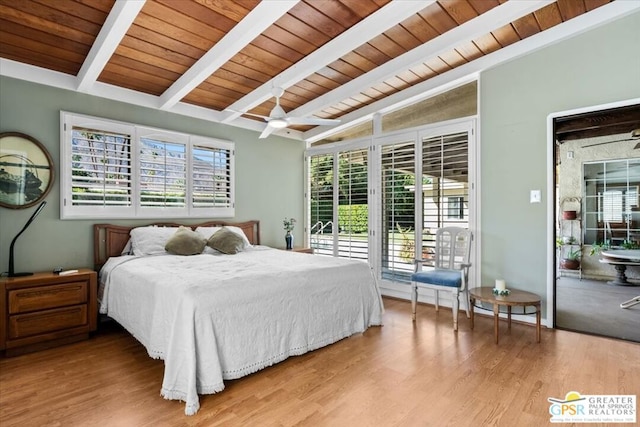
[(109, 239)]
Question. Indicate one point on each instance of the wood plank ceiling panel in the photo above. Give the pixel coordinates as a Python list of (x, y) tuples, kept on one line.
[(305, 28), (445, 15), (167, 38), (429, 23), (49, 34)]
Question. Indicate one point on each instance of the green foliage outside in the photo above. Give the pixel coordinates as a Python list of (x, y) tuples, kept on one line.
[(408, 251), (353, 219), (353, 191)]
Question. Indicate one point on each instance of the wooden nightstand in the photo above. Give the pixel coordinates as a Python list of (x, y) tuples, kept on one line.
[(45, 310)]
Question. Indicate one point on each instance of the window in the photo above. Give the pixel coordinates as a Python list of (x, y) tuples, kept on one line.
[(455, 208), (321, 203), (611, 207), (611, 212), (119, 170), (398, 200), (424, 186), (407, 184), (350, 238), (353, 214)]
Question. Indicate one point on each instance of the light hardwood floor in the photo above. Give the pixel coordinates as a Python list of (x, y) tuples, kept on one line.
[(399, 374)]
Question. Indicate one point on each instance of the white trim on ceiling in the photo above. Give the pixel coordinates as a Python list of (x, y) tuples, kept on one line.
[(259, 19), (385, 18), (111, 34), (466, 72), (479, 26), (602, 15)]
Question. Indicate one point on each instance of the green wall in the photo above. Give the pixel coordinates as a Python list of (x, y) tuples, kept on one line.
[(269, 174), (597, 67)]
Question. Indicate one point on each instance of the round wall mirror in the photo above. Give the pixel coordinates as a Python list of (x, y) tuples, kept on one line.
[(26, 171)]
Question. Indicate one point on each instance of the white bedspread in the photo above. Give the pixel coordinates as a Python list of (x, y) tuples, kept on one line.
[(217, 317)]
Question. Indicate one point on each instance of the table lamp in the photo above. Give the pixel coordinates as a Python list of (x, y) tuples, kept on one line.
[(12, 272)]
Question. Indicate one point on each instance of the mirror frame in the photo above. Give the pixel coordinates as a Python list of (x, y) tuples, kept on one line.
[(23, 157)]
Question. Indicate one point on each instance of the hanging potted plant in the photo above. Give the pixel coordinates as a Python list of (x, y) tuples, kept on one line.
[(571, 260)]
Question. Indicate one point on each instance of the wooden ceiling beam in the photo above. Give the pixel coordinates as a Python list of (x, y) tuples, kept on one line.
[(479, 26), (111, 34), (468, 72), (616, 121), (258, 20), (587, 122), (386, 17), (610, 129)]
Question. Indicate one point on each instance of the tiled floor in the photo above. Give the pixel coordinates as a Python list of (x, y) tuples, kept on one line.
[(594, 307)]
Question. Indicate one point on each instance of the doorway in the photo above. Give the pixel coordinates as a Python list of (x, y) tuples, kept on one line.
[(596, 157)]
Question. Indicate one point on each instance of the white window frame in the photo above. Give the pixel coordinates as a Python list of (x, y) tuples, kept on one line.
[(417, 135), (68, 211)]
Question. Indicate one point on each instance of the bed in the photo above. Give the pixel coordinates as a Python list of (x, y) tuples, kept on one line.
[(213, 317)]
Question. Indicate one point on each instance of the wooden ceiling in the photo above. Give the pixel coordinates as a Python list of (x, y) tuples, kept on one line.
[(614, 121), (343, 59)]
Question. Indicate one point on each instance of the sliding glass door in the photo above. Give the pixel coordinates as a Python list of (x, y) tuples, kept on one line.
[(397, 200), (382, 200), (338, 200), (424, 185), (320, 200)]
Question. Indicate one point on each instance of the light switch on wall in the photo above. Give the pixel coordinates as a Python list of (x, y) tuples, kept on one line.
[(535, 196)]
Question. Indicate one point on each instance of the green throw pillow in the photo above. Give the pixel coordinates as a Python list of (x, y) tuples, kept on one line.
[(226, 241), (185, 241)]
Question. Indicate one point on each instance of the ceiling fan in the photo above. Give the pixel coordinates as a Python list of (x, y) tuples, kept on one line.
[(278, 118), (635, 134)]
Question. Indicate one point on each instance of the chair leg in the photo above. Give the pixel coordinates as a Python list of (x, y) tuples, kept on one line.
[(456, 305), (414, 299), (467, 302), (437, 298)]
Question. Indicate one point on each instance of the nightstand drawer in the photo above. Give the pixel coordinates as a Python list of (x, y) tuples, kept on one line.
[(44, 310), (25, 325), (43, 297)]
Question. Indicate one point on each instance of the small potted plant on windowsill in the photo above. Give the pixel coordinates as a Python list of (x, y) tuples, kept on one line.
[(571, 259)]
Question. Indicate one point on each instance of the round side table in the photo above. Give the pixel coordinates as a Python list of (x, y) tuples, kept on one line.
[(516, 298)]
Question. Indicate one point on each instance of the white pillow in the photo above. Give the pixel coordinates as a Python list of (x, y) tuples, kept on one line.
[(207, 232), (150, 240), (127, 248)]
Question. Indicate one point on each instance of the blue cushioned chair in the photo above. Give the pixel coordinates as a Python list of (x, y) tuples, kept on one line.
[(449, 269)]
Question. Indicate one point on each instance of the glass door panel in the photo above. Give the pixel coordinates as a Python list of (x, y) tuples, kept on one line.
[(398, 235)]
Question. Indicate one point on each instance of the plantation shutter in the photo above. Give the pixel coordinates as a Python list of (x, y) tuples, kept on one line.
[(445, 189), (100, 168), (612, 206), (398, 210), (353, 215), (163, 173), (112, 169), (321, 203), (212, 171)]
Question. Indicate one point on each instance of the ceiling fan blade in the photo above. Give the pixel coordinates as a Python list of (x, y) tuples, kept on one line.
[(312, 121), (249, 114), (266, 132), (608, 142)]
